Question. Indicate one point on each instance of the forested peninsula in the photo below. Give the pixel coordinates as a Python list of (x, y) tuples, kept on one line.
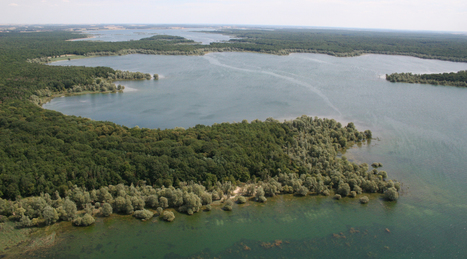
[(348, 43), (57, 167), (453, 79)]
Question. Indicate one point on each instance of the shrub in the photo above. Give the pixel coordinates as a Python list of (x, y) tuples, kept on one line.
[(84, 221), (168, 216), (344, 189), (364, 200), (160, 210), (241, 200), (106, 209), (24, 222), (143, 214), (302, 191), (228, 205), (391, 194)]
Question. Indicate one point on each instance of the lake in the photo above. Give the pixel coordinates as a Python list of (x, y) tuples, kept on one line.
[(195, 34), (419, 133)]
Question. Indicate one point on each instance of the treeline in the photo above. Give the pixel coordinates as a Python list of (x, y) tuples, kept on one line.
[(349, 43), (454, 79), (80, 206), (173, 39), (127, 75), (19, 79), (44, 151)]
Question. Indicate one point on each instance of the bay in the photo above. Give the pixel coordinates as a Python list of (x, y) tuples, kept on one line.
[(420, 140)]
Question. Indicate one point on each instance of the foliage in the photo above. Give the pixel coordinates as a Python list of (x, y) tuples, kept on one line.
[(107, 209), (143, 214), (241, 200), (228, 205), (344, 43), (391, 194), (364, 200), (84, 221), (168, 216), (453, 79)]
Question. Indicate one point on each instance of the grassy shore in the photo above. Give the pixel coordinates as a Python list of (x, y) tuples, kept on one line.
[(69, 57)]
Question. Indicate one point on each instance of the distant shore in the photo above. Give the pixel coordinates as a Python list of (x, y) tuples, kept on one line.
[(88, 37)]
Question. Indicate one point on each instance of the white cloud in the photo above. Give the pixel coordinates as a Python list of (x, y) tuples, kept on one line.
[(13, 4)]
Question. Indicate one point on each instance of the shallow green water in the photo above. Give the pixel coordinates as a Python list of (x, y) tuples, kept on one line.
[(305, 227), (420, 141)]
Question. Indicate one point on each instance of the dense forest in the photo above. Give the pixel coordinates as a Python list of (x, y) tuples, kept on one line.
[(454, 79), (48, 151), (345, 43), (297, 157), (53, 164)]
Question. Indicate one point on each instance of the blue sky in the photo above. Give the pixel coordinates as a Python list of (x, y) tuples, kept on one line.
[(446, 15)]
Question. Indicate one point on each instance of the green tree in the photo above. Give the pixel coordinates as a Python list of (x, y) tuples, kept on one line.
[(259, 196), (344, 189), (228, 205), (364, 200), (70, 210), (106, 209), (24, 222), (302, 191), (84, 221), (159, 211), (163, 202), (241, 200), (391, 194), (143, 214), (50, 215), (168, 216)]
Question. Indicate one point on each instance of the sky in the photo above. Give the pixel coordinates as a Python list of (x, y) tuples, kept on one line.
[(430, 15)]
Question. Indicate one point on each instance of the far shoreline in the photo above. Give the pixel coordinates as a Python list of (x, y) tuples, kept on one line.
[(88, 37)]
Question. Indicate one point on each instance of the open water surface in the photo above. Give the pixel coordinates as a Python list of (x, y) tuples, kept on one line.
[(195, 34), (420, 139)]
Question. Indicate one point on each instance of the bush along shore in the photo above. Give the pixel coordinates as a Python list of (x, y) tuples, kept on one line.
[(313, 146)]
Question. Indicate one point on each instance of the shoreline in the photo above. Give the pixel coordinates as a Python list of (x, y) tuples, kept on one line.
[(285, 52), (37, 240), (49, 99), (89, 37), (68, 57)]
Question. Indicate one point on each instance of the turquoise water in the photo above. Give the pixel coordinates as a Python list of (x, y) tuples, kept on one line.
[(420, 140)]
